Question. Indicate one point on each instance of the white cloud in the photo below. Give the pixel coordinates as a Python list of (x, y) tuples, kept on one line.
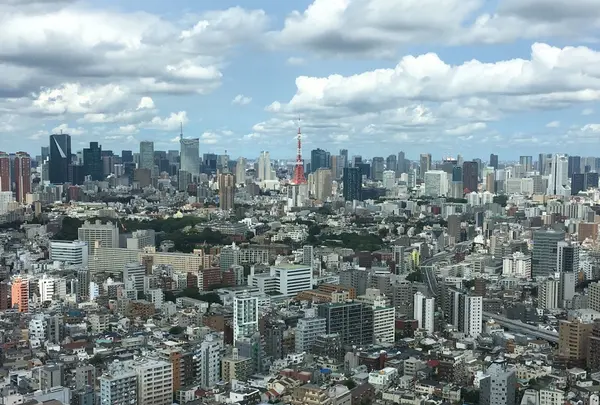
[(65, 129), (240, 99), (553, 124), (128, 129), (209, 138), (467, 128), (170, 123), (73, 98), (380, 27), (587, 111), (295, 61), (145, 103)]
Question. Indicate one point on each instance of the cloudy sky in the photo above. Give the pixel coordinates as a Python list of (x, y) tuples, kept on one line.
[(374, 76)]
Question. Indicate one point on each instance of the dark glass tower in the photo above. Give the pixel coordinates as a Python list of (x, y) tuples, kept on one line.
[(92, 161), (126, 156), (60, 158), (352, 184), (574, 165), (318, 159), (470, 175), (494, 161)]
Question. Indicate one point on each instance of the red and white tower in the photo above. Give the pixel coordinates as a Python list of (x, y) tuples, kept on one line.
[(299, 168)]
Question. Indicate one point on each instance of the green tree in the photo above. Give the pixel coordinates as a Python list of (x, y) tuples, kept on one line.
[(97, 360), (176, 330)]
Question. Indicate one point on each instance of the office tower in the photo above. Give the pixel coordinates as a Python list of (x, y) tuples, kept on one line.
[(490, 182), (377, 168), (401, 164), (573, 338), (45, 152), (424, 164), (352, 183), (60, 158), (22, 166), (337, 166), (544, 255), (470, 179), (318, 159), (499, 385), (436, 183), (549, 293), (226, 191), (583, 181), (92, 162), (19, 294), (323, 181), (567, 288), (526, 162), (126, 156), (264, 166), (70, 252), (558, 183), (190, 155), (344, 155), (133, 276), (389, 179), (5, 178), (574, 165), (240, 171), (292, 279), (147, 155), (307, 331), (391, 163), (104, 235), (141, 238), (353, 321), (154, 381), (567, 257), (464, 312), (494, 161), (245, 316), (365, 170), (424, 312)]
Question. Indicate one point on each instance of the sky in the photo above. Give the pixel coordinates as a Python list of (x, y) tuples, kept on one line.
[(447, 77)]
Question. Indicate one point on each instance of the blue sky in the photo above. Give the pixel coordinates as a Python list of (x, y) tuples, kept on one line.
[(515, 77)]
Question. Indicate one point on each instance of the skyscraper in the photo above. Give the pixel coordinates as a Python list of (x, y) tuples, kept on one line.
[(470, 176), (318, 159), (344, 155), (264, 166), (245, 316), (499, 385), (240, 171), (424, 312), (190, 155), (126, 156), (60, 158), (494, 161), (377, 168), (22, 176), (545, 251), (92, 161), (147, 155), (424, 164), (558, 183), (391, 163), (352, 183), (226, 191), (526, 162), (574, 165), (5, 180), (401, 164)]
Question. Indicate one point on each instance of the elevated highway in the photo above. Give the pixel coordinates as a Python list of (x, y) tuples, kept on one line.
[(520, 327)]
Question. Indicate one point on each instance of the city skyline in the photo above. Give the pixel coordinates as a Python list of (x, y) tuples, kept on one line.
[(367, 83)]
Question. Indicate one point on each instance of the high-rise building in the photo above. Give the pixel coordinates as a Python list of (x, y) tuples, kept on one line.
[(22, 166), (424, 164), (5, 180), (226, 191), (126, 156), (323, 182), (424, 312), (558, 183), (391, 163), (190, 155), (240, 171), (245, 316), (593, 359), (545, 248), (573, 338), (147, 155), (377, 168), (106, 235), (548, 295), (118, 385), (154, 381), (470, 178), (353, 321), (92, 161), (292, 279), (498, 385), (344, 155), (318, 158), (401, 164), (465, 312), (567, 257), (389, 179), (208, 359), (352, 183), (19, 294), (526, 162), (264, 166), (574, 165), (60, 158), (494, 161), (436, 183)]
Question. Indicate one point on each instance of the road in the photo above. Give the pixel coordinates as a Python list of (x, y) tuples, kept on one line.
[(427, 264), (520, 327)]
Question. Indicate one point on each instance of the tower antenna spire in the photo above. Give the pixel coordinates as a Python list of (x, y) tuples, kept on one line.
[(299, 168)]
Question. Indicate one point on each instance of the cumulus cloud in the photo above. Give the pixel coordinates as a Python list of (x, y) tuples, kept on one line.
[(65, 129), (295, 61), (170, 123), (553, 124), (240, 99)]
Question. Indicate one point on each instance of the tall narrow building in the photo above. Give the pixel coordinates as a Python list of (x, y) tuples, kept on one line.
[(226, 191), (424, 312), (22, 176), (470, 174), (352, 183), (424, 164), (60, 158), (147, 155), (5, 180), (190, 155), (558, 183), (240, 170), (264, 166)]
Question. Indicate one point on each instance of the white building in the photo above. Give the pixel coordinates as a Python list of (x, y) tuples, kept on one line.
[(424, 312), (264, 166), (558, 182), (135, 273), (142, 238), (517, 265), (156, 296), (308, 329), (240, 171), (71, 252), (472, 315), (99, 234), (436, 183), (384, 321), (6, 197), (154, 381), (389, 179), (292, 279), (208, 361), (381, 379), (37, 330), (118, 385), (245, 316), (46, 288)]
